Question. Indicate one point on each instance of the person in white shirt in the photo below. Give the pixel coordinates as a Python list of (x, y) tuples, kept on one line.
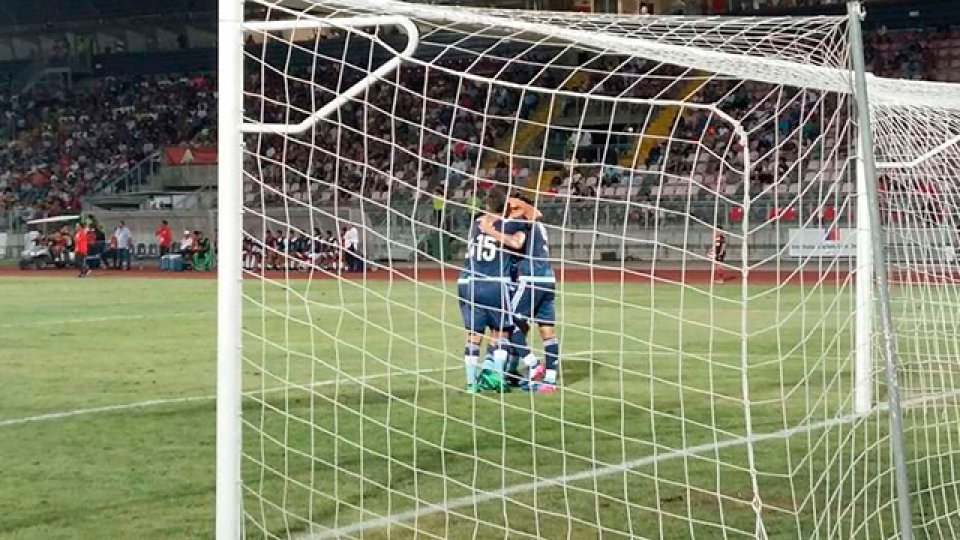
[(351, 248), (124, 246), (186, 246)]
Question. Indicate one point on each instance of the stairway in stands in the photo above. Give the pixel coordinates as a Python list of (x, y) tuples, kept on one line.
[(659, 128), (532, 129)]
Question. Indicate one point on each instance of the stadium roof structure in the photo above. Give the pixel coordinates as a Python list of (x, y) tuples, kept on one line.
[(54, 219), (14, 13)]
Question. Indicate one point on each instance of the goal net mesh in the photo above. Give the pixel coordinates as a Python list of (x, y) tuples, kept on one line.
[(697, 397)]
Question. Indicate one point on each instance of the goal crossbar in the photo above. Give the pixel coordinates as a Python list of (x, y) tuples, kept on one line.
[(343, 23)]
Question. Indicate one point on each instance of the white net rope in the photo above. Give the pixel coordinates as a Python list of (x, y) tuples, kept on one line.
[(697, 398), (919, 172)]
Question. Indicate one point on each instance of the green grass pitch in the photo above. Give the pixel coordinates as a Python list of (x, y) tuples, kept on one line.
[(355, 410)]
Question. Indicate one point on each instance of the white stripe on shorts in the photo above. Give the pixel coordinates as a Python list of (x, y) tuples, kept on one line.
[(515, 301)]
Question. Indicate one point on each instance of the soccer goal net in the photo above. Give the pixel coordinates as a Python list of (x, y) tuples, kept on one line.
[(748, 297)]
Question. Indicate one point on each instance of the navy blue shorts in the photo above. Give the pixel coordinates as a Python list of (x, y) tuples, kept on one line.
[(534, 301), (485, 304)]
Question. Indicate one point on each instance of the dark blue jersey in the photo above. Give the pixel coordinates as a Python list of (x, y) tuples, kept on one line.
[(486, 258), (533, 260)]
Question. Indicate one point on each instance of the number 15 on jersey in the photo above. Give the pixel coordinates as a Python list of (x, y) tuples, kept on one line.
[(482, 248)]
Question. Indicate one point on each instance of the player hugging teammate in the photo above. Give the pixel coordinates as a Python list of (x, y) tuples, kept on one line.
[(506, 284)]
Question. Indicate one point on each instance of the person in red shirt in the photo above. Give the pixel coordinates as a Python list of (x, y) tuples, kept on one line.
[(80, 250), (164, 237)]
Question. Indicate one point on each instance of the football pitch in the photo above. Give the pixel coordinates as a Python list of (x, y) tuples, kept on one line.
[(355, 410)]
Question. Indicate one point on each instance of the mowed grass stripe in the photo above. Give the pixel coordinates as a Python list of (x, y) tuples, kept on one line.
[(629, 398)]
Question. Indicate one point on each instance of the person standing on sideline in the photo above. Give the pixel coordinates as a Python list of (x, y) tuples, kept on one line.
[(351, 247), (438, 204), (124, 243), (164, 238), (80, 250), (718, 254)]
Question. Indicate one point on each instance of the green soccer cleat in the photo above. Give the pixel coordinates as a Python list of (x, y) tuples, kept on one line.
[(491, 380), (474, 388)]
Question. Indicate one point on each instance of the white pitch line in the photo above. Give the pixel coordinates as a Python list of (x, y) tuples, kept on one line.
[(559, 481), (145, 316), (111, 318), (188, 399), (106, 408)]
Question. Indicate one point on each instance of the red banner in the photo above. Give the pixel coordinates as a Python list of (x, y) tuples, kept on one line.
[(186, 155)]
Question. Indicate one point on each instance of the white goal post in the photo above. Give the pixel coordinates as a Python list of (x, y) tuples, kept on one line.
[(806, 385), (230, 277)]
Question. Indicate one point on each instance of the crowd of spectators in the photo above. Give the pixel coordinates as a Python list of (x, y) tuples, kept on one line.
[(59, 145), (797, 123), (427, 127), (702, 157), (931, 54)]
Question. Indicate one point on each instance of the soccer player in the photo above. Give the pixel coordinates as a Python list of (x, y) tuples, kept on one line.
[(533, 299), (483, 288), (719, 254)]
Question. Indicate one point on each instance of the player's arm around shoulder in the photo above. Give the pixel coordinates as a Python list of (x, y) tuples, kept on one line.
[(524, 210), (507, 237)]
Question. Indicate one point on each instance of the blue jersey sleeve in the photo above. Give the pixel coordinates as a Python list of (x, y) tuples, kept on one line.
[(512, 227)]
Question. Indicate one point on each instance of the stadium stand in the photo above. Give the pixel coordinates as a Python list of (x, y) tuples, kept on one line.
[(932, 55), (62, 146), (68, 144)]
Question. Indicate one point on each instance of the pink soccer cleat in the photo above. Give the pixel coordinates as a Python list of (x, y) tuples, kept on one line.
[(537, 373), (544, 388)]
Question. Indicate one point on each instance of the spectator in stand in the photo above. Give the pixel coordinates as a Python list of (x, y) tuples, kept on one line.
[(164, 237), (8, 200), (653, 157), (124, 244), (438, 204), (501, 173), (473, 204)]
